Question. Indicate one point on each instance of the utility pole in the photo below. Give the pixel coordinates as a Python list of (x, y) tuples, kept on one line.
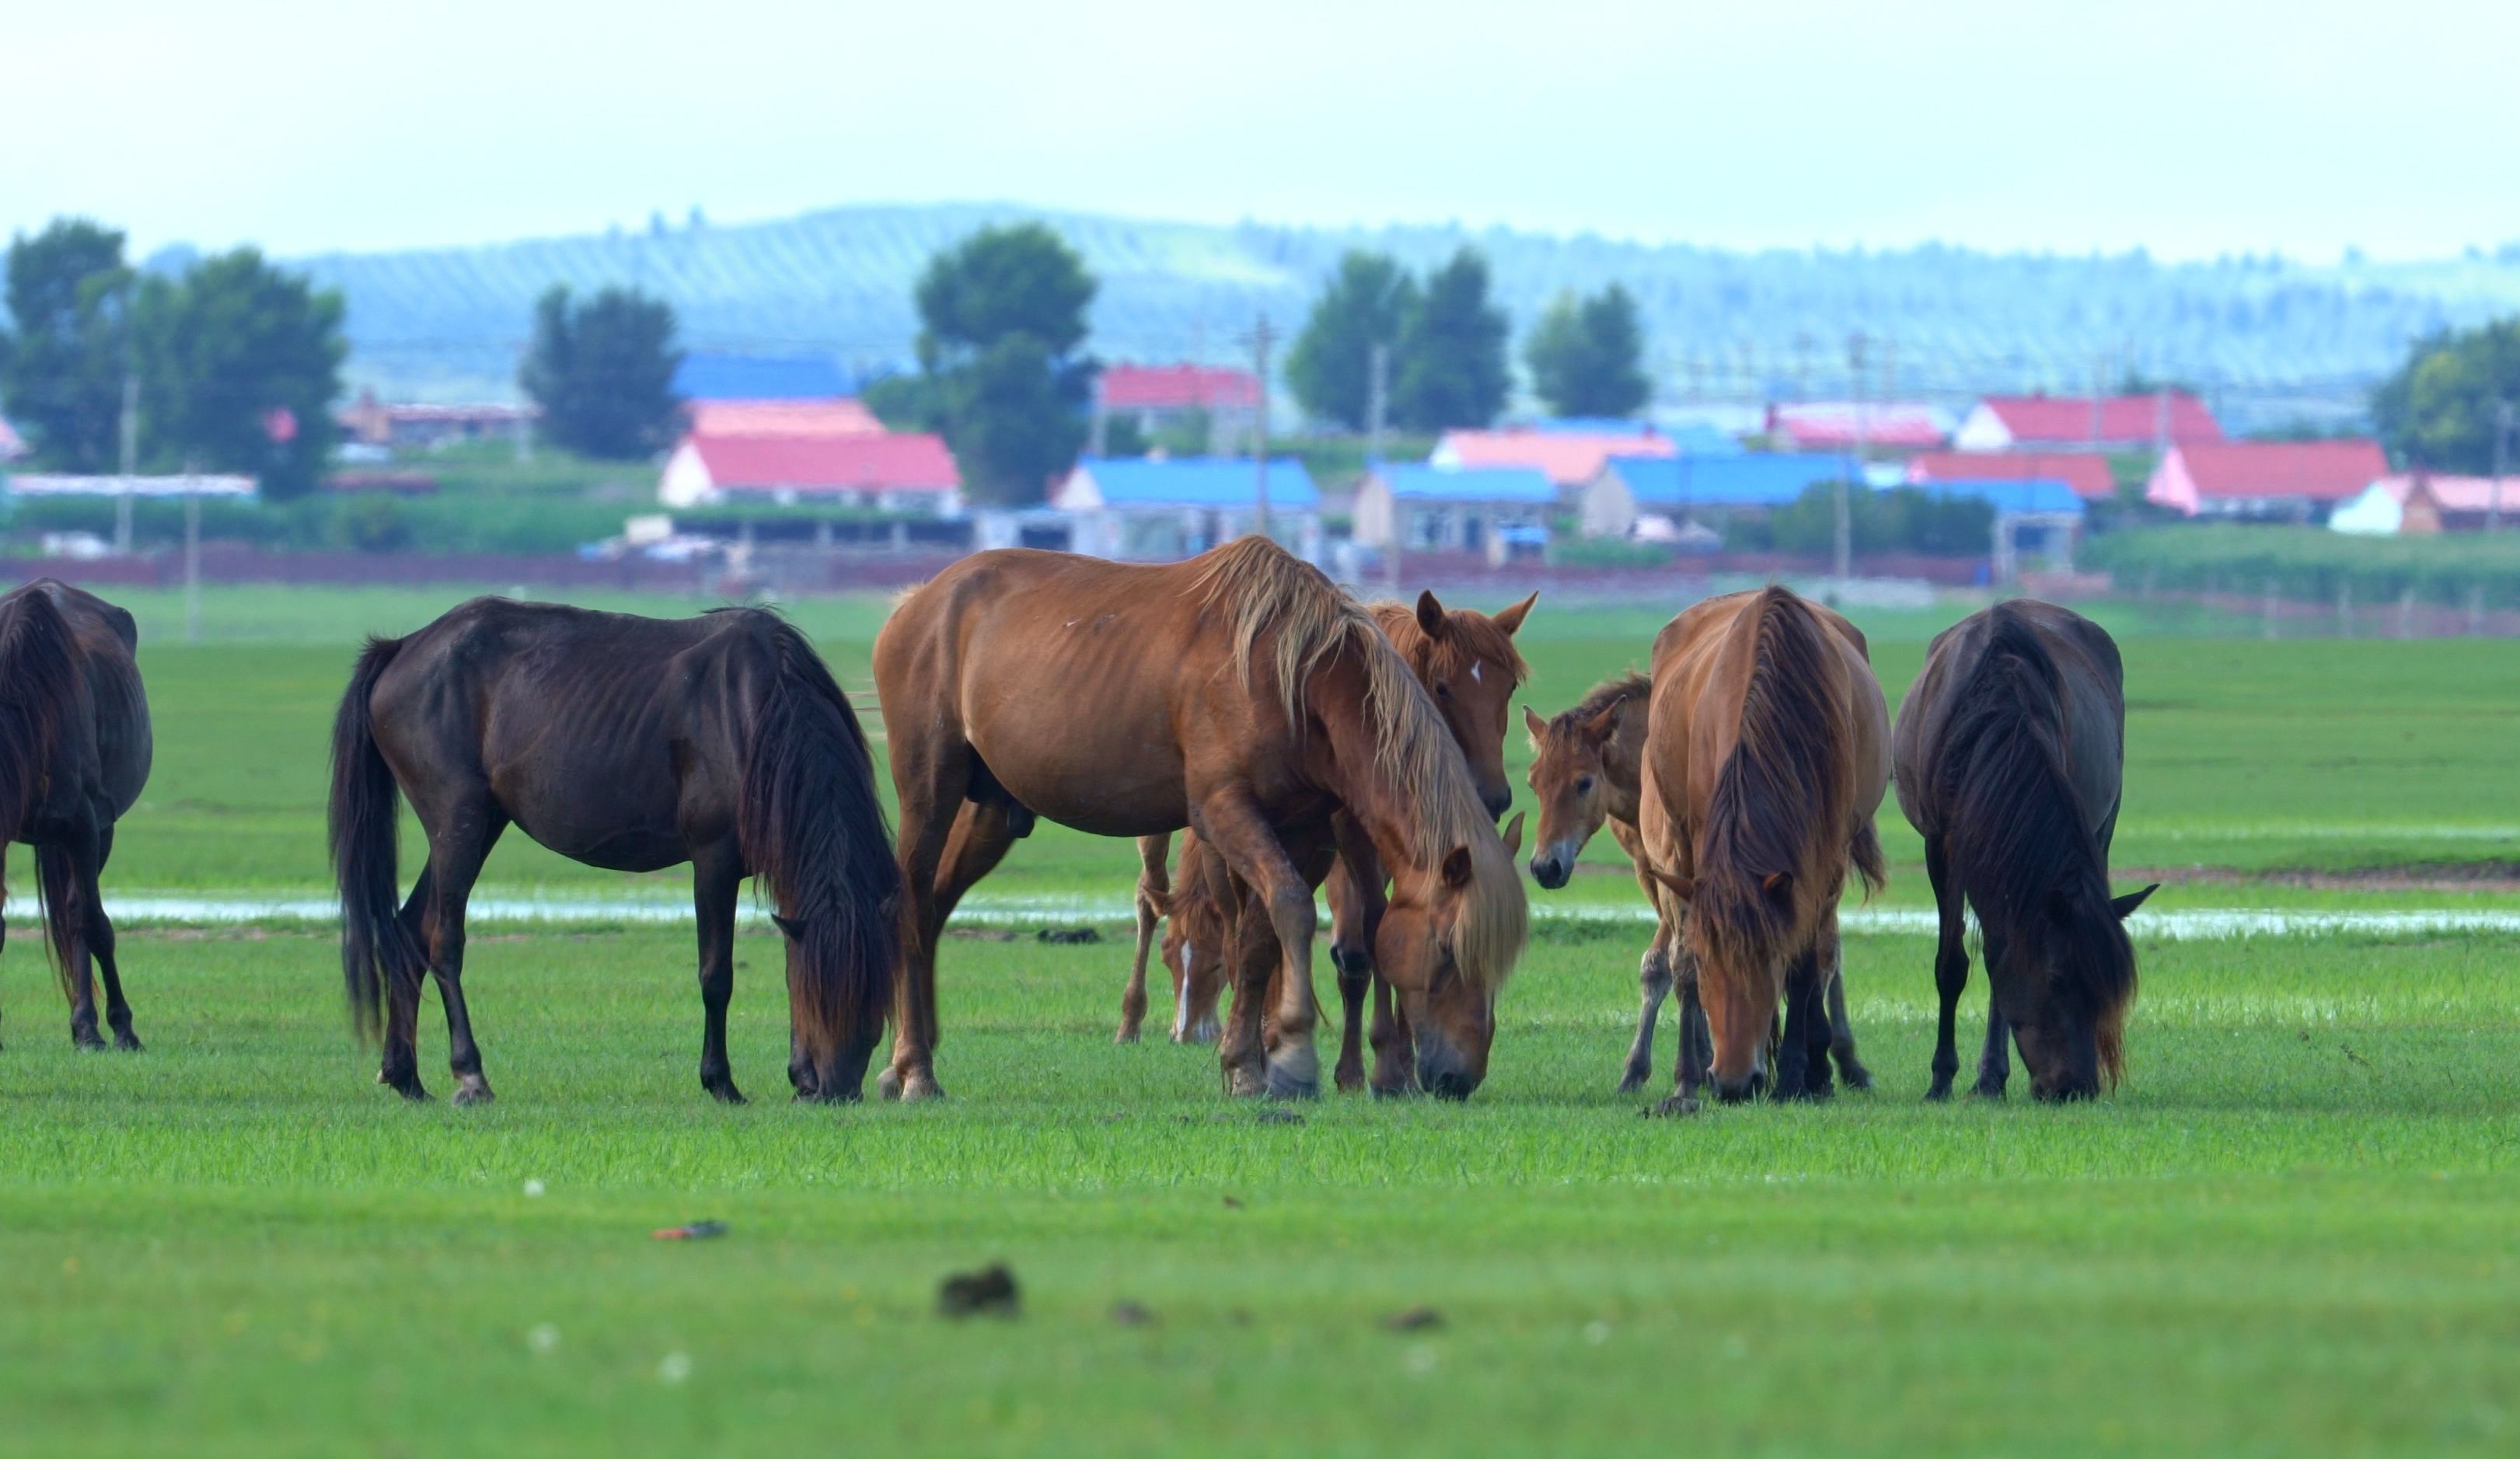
[(131, 462), (1260, 339), (1378, 400), (1843, 565), (2494, 493)]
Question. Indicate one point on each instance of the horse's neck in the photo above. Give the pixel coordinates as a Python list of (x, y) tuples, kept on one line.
[(1366, 788), (1623, 768)]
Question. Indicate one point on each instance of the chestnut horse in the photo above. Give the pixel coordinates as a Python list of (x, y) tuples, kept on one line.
[(628, 743), (1767, 754), (75, 752), (1467, 662), (2010, 750), (1239, 692), (1587, 768)]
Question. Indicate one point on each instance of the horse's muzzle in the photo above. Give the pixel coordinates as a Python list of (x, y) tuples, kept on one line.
[(1552, 870)]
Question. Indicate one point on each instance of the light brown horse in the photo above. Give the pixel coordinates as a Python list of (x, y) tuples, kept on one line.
[(1241, 693), (1587, 768), (1467, 662), (1767, 754)]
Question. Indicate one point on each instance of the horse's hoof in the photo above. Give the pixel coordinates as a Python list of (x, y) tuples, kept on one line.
[(919, 1086), (1634, 1080), (1349, 1080), (410, 1091), (1854, 1077), (725, 1093), (128, 1041), (1244, 1082), (1989, 1090), (1128, 1034), (886, 1083), (472, 1090), (1392, 1091), (87, 1041), (1673, 1107)]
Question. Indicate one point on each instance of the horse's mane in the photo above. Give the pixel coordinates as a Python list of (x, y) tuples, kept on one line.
[(2019, 840), (1261, 589), (1781, 800), (1610, 691), (1469, 637)]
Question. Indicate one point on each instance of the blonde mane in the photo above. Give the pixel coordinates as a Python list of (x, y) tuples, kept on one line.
[(1260, 589)]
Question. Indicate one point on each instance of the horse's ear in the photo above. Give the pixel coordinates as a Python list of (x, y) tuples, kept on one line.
[(1514, 835), (1538, 726), (1456, 868), (1600, 727), (795, 931), (1430, 614), (1511, 619), (1679, 886), (2125, 905)]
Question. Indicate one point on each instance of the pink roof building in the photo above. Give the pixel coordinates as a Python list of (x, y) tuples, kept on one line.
[(2302, 479), (1569, 459), (900, 472), (1844, 424), (1135, 388), (843, 416), (2076, 423), (2087, 473)]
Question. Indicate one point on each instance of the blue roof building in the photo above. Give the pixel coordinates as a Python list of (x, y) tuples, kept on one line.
[(1153, 509), (2042, 497), (1498, 510), (760, 377), (1631, 486)]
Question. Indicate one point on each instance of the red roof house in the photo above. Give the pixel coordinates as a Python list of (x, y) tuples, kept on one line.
[(1570, 459), (2087, 473), (901, 472), (1844, 424), (2072, 422), (1159, 388), (2299, 479)]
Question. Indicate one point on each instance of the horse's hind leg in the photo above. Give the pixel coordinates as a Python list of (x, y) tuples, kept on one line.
[(717, 879), (100, 937), (455, 856), (974, 843), (1153, 886), (1233, 825), (1841, 1033), (1356, 909), (1951, 968), (62, 868), (931, 779)]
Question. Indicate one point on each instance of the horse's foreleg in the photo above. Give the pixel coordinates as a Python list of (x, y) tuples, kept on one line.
[(930, 779), (1152, 886), (1653, 985), (717, 881), (1841, 1033), (456, 853), (1280, 895), (1696, 1042), (1995, 1062), (977, 841), (1356, 910), (1951, 967)]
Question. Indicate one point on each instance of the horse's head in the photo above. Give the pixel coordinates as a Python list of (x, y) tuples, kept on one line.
[(1467, 662), (1571, 779), (2062, 973), (1439, 949), (1194, 953)]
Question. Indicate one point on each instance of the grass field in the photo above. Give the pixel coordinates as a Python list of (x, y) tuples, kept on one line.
[(2291, 1230)]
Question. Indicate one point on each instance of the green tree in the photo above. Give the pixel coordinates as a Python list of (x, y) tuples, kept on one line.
[(1586, 356), (1003, 318), (1366, 303), (239, 365), (63, 357), (1450, 365), (2437, 411), (603, 373)]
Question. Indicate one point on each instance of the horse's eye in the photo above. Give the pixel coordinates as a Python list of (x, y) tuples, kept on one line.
[(1583, 784), (1443, 689)]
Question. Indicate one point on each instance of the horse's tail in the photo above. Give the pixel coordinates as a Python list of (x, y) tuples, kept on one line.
[(38, 682), (377, 950), (813, 831), (1783, 794)]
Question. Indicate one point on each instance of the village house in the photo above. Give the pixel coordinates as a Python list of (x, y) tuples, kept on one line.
[(833, 417), (2082, 422), (891, 472), (1570, 459), (370, 422), (1500, 511), (1706, 490), (1154, 396), (1153, 508), (2417, 505), (1884, 428), (2088, 475), (2265, 481)]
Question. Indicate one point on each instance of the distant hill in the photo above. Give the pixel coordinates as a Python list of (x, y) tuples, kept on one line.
[(2272, 340)]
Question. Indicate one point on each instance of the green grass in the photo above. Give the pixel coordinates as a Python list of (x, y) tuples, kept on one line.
[(2290, 1231)]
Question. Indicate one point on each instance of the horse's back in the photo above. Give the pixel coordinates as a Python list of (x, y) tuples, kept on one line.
[(116, 710), (2090, 679)]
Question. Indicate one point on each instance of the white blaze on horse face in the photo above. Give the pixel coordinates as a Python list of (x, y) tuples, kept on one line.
[(1181, 995), (1475, 671)]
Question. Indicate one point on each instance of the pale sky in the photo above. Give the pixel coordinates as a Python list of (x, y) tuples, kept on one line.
[(2189, 128)]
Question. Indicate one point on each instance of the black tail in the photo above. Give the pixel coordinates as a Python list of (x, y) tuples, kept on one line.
[(57, 891), (814, 832), (38, 685), (377, 949)]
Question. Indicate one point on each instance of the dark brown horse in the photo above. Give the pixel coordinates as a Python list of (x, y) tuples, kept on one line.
[(2010, 749), (1766, 752), (1466, 660), (75, 752), (1240, 692), (1588, 769), (628, 743)]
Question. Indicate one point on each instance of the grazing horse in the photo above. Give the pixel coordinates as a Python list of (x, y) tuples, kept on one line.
[(1587, 768), (627, 743), (75, 752), (1467, 662), (1766, 752), (2010, 750), (1239, 692)]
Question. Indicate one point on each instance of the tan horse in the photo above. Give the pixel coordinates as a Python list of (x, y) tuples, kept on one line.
[(1587, 769), (1467, 662), (1241, 693), (1767, 754)]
